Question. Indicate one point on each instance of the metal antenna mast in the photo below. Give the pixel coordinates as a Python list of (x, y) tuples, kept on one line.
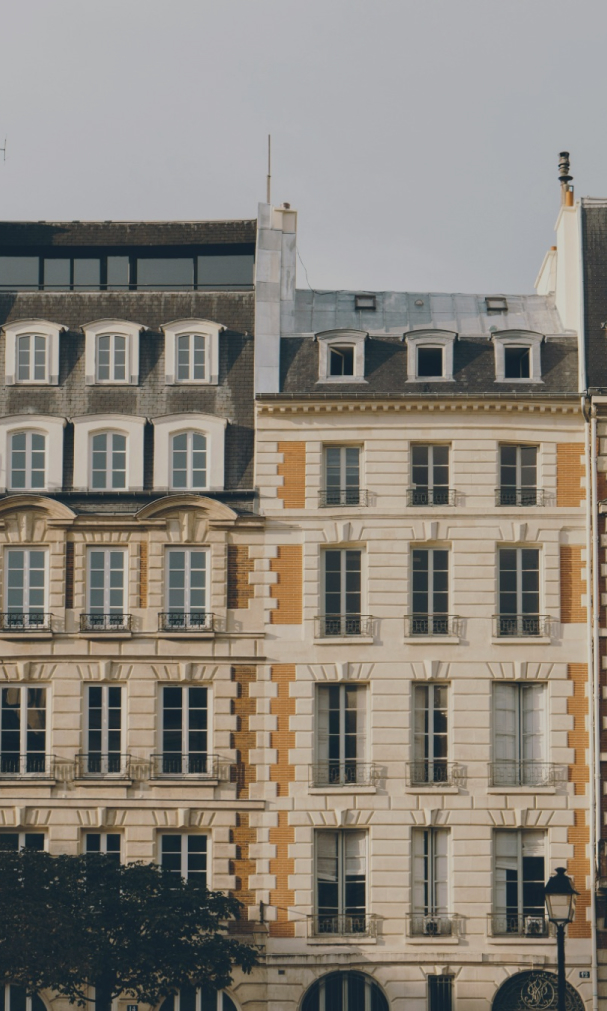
[(3, 149), (269, 176)]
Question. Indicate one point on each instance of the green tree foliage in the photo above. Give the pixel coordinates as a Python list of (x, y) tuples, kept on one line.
[(68, 923)]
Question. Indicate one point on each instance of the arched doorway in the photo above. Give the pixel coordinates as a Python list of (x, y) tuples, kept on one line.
[(191, 999), (534, 991), (345, 991)]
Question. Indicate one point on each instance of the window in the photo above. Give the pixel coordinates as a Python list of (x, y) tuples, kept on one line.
[(185, 855), (429, 362), (430, 355), (189, 461), (519, 735), (174, 274), (104, 730), (519, 592), (13, 842), (108, 461), (430, 743), (27, 461), (191, 351), (519, 883), (430, 591), (32, 359), (22, 730), (191, 358), (341, 356), (341, 360), (106, 591), (189, 999), (32, 351), (342, 476), (517, 356), (429, 475), (518, 476), (517, 363), (440, 993), (186, 589), (342, 593), (496, 303), (345, 991), (430, 865), (112, 352), (365, 302), (104, 843), (25, 588), (341, 873), (184, 730), (342, 734), (15, 998), (111, 358)]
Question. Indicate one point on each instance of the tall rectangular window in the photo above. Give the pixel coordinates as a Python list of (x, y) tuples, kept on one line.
[(430, 734), (341, 882), (342, 733), (518, 476), (430, 864), (187, 581), (27, 461), (189, 461), (430, 584), (429, 475), (191, 358), (104, 729), (104, 843), (185, 855), (111, 358), (342, 475), (519, 735), (519, 876), (32, 359), (343, 592), (25, 588), (184, 730), (440, 993), (23, 730), (106, 590), (519, 591), (108, 461)]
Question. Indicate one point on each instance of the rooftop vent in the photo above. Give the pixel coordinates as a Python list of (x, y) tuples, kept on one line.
[(365, 302), (496, 303)]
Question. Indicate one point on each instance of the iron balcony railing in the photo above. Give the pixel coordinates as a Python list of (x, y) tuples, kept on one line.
[(26, 621), (348, 772), (511, 496), (431, 624), (95, 765), (432, 925), (342, 924), (13, 765), (507, 773), (440, 496), (113, 622), (343, 625), (195, 764), (520, 625), (434, 772), (185, 621), (519, 924), (343, 497)]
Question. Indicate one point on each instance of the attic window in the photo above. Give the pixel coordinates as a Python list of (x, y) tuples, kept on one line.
[(496, 303), (365, 302)]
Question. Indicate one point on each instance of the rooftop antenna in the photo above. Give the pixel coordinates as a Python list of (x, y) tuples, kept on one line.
[(3, 149), (269, 176), (565, 178)]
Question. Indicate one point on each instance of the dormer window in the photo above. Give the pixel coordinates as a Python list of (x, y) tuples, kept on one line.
[(32, 352), (341, 356), (191, 351), (517, 356), (430, 356), (517, 363), (430, 362), (112, 352)]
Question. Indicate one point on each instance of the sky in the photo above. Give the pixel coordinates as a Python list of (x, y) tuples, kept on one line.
[(417, 139)]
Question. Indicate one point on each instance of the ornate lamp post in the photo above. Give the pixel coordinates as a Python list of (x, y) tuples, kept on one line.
[(560, 899)]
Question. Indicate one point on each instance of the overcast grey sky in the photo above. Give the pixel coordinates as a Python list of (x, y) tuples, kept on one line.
[(418, 139)]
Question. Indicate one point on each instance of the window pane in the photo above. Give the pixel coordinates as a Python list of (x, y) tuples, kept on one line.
[(23, 358), (225, 270), (19, 272), (161, 274), (57, 274), (429, 361), (87, 273), (341, 361), (180, 460), (517, 363), (117, 272)]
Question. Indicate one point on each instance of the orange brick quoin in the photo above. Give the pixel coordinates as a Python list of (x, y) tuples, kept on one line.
[(243, 739), (578, 834), (293, 472), (283, 773), (569, 474), (143, 574), (240, 591), (242, 866), (572, 585), (289, 589)]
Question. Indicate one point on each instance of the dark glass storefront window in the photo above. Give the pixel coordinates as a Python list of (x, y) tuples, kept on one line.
[(117, 272), (87, 273), (225, 270), (19, 272), (174, 274)]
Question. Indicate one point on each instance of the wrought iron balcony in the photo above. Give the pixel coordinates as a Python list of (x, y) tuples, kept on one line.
[(116, 622), (508, 495), (342, 925), (440, 496), (346, 773), (526, 774), (26, 621), (520, 625), (343, 625), (432, 925), (329, 497), (519, 924), (96, 765), (34, 764), (172, 765), (434, 772), (431, 624), (185, 621)]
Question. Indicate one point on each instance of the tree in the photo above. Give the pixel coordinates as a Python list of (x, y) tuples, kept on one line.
[(68, 923)]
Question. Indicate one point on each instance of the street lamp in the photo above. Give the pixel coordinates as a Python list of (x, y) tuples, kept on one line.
[(560, 898)]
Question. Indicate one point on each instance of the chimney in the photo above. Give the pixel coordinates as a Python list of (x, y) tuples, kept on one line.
[(565, 178)]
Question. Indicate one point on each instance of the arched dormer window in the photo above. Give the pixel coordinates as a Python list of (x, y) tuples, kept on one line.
[(341, 356), (31, 453), (191, 351), (108, 461), (108, 453), (189, 448), (112, 352), (32, 352), (188, 461), (27, 461), (518, 357), (430, 356)]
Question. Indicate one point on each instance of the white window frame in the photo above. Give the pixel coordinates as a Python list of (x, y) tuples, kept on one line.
[(174, 424), (24, 709), (188, 432), (107, 549), (112, 327), (348, 338), (444, 339), (342, 866), (29, 433), (426, 741), (185, 721), (102, 841), (503, 339), (109, 434), (32, 328), (340, 764), (52, 428), (26, 570), (519, 759), (96, 424), (519, 834), (184, 852), (105, 727), (188, 549), (176, 1006), (433, 907), (192, 327)]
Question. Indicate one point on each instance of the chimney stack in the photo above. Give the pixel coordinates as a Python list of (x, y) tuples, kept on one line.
[(565, 178)]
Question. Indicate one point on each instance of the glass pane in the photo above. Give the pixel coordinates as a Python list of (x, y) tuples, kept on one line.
[(19, 272), (429, 362), (225, 270), (57, 274), (87, 273), (166, 274), (117, 272)]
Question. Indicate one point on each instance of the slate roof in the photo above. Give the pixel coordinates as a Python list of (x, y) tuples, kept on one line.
[(30, 234)]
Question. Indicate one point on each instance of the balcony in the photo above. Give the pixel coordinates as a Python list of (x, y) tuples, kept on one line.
[(519, 925), (432, 925), (342, 925), (330, 497), (434, 772), (346, 773), (343, 625), (172, 765), (99, 766), (35, 765), (185, 621), (511, 496), (29, 622), (440, 496), (533, 774), (105, 622), (427, 625), (520, 626)]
